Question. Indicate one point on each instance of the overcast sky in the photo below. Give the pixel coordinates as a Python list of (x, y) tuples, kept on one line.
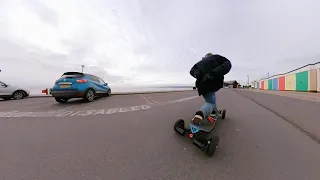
[(144, 41)]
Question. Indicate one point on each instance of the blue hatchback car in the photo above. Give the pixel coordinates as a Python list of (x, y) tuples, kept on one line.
[(79, 85)]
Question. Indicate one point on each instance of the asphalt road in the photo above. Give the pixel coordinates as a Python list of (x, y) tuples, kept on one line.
[(131, 137)]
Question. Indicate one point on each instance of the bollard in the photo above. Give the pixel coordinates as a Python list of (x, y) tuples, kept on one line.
[(45, 91)]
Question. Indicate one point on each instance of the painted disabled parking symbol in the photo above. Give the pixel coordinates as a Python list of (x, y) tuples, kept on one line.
[(64, 113), (103, 111)]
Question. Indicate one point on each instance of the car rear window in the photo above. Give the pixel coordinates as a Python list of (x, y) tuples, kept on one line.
[(72, 75)]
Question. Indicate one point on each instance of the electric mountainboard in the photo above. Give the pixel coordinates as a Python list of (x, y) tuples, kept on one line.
[(199, 134)]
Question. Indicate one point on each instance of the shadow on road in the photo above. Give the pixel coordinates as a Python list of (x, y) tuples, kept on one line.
[(3, 100), (78, 101)]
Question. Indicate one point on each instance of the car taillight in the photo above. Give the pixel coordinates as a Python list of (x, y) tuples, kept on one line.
[(81, 81)]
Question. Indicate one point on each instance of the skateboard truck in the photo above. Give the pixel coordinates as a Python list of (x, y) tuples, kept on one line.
[(199, 144)]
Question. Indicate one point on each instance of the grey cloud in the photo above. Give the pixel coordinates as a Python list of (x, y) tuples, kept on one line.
[(36, 68), (258, 37), (143, 49), (45, 13), (104, 74), (17, 53)]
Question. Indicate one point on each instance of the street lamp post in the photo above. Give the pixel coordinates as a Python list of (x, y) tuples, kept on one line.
[(82, 66)]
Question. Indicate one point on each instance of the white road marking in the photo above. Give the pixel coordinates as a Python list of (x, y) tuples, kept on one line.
[(66, 108), (65, 112), (179, 100), (34, 107), (152, 99), (26, 114), (102, 111), (148, 101)]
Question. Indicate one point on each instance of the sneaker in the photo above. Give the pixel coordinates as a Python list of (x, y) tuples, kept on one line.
[(215, 112), (213, 116), (198, 117)]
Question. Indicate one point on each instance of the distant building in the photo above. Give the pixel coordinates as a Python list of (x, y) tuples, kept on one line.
[(231, 84)]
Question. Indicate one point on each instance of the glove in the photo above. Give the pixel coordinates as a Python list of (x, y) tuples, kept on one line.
[(206, 78)]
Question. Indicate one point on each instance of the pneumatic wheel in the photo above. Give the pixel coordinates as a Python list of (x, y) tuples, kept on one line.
[(61, 100), (212, 146), (89, 95), (223, 116), (179, 127), (18, 95), (109, 92)]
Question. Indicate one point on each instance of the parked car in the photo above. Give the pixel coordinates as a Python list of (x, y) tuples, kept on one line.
[(8, 92), (79, 85)]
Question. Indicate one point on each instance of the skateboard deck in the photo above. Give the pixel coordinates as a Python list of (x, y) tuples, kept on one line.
[(206, 127)]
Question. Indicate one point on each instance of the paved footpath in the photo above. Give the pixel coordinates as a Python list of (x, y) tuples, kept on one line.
[(299, 95), (136, 140)]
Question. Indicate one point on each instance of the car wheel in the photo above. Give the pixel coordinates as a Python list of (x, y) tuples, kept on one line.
[(19, 95), (109, 92), (90, 95), (61, 100)]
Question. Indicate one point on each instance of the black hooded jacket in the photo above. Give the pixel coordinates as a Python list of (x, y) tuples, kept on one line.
[(217, 66)]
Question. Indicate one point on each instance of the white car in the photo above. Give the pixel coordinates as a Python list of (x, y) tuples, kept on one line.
[(8, 92)]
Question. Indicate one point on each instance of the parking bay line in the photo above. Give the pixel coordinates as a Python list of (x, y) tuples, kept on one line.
[(145, 98)]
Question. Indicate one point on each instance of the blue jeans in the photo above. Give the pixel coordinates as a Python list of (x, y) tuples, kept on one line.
[(209, 105)]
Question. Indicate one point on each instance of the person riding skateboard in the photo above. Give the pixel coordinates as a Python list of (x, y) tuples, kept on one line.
[(209, 73)]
